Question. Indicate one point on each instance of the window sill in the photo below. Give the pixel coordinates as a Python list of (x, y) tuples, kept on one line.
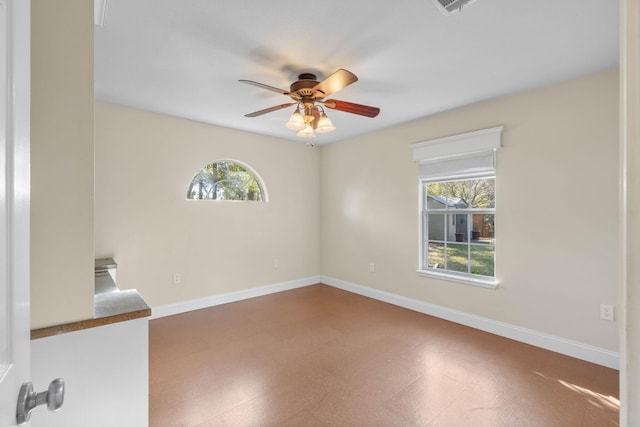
[(483, 283)]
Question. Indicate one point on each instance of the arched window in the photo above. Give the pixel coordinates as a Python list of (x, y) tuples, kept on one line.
[(226, 180)]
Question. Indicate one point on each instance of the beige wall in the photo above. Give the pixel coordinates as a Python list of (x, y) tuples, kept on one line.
[(557, 213), (144, 164), (61, 161), (557, 222)]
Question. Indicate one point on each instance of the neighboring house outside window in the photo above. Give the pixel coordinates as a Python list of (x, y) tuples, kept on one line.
[(458, 207), (226, 180)]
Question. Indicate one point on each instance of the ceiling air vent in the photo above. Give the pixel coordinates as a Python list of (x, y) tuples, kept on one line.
[(447, 7)]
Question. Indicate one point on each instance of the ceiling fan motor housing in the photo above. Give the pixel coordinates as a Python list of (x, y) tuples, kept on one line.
[(303, 87)]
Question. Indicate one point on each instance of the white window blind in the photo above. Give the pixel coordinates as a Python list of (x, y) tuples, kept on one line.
[(460, 155)]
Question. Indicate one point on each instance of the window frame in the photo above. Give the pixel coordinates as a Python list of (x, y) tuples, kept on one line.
[(451, 275), (467, 155), (251, 171)]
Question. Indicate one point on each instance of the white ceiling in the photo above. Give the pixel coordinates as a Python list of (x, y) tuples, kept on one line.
[(184, 57)]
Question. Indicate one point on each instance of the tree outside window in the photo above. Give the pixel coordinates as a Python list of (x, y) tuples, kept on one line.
[(225, 180)]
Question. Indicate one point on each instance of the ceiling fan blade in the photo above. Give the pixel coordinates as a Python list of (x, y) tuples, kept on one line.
[(350, 107), (264, 86), (269, 110), (336, 81)]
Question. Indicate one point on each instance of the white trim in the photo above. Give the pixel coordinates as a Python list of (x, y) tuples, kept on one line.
[(99, 10), (458, 145), (464, 279), (565, 346), (213, 300), (610, 359)]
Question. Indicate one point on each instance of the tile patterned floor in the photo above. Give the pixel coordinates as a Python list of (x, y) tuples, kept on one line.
[(319, 356)]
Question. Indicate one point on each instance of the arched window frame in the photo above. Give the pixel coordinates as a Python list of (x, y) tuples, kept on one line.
[(256, 176)]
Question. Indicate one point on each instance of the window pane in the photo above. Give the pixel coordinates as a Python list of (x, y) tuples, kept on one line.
[(483, 228), (436, 226), (457, 192), (457, 257), (482, 193), (224, 180), (435, 255), (482, 259), (457, 225), (436, 189), (436, 195)]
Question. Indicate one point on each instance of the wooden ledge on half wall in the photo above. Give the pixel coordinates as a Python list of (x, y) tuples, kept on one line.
[(111, 305)]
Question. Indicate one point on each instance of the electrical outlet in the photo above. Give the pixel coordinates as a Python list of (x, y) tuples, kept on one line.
[(372, 268), (606, 312), (177, 278), (276, 263)]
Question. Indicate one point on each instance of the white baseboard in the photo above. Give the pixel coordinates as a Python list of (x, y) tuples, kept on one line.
[(571, 348), (213, 300)]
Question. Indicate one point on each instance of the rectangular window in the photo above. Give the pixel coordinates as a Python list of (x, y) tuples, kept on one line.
[(458, 205), (459, 227)]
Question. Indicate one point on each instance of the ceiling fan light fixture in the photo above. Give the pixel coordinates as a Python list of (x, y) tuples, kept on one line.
[(307, 132), (308, 113), (308, 117), (296, 121), (324, 124)]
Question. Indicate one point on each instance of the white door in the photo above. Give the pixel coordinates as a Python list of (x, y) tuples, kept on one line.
[(14, 203)]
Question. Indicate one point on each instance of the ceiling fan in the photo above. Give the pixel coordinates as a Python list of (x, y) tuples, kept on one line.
[(308, 96)]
